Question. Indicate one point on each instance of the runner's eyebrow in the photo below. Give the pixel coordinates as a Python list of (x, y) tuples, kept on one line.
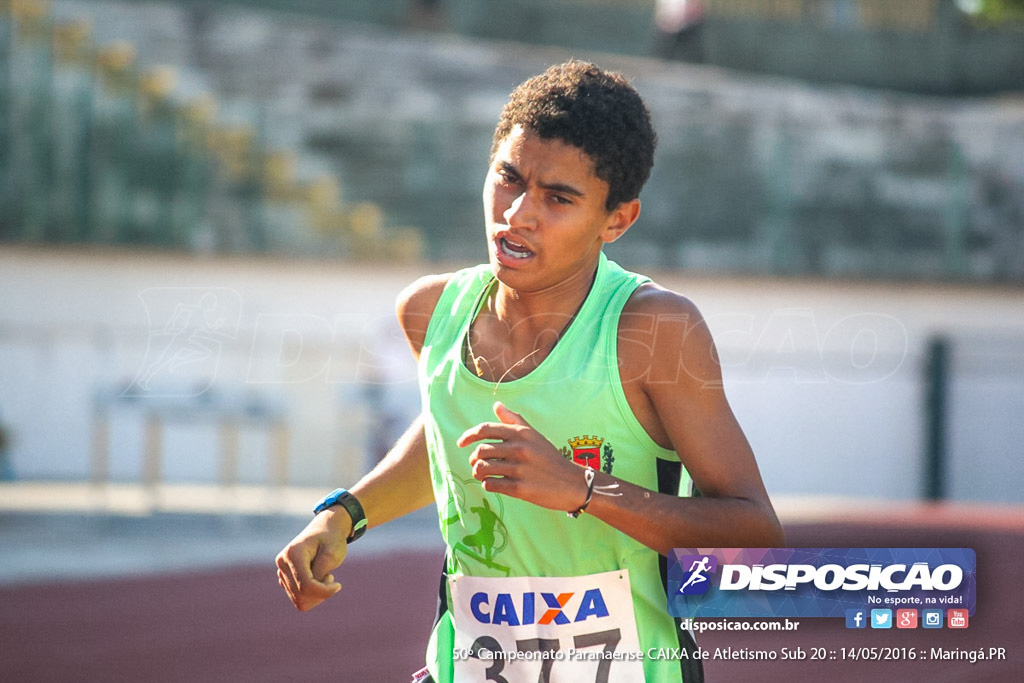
[(505, 167), (564, 188)]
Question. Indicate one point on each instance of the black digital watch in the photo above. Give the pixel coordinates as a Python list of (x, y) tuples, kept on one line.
[(351, 504)]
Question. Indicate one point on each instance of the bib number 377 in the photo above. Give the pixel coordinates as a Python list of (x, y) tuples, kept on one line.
[(545, 629)]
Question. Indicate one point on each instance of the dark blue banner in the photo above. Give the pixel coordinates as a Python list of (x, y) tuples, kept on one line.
[(818, 582)]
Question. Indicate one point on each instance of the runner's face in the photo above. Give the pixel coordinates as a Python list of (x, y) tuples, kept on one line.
[(545, 212)]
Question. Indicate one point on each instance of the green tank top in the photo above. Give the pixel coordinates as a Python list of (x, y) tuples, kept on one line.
[(575, 399)]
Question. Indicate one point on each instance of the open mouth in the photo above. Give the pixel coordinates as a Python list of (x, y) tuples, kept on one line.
[(514, 249)]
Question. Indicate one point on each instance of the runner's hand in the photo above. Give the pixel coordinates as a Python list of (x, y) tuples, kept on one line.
[(515, 459), (304, 566)]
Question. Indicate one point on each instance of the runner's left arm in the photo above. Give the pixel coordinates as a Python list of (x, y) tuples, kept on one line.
[(679, 398)]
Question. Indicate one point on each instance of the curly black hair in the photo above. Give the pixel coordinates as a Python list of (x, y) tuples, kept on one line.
[(595, 110)]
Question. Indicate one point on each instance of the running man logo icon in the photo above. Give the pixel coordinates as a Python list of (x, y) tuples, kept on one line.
[(696, 580), (188, 329)]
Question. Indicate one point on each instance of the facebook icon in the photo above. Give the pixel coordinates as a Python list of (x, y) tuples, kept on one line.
[(856, 618)]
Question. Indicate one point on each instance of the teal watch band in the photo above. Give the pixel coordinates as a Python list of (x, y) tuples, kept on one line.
[(351, 504)]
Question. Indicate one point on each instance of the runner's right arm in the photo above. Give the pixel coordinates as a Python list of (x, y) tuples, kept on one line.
[(398, 485)]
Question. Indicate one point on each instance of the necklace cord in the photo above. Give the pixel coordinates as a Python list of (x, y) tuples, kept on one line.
[(477, 360)]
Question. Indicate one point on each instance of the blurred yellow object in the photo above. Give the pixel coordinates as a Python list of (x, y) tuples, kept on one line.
[(916, 16), (159, 81), (406, 245), (365, 219), (27, 9), (279, 175), (32, 19), (233, 146), (195, 120), (115, 64), (324, 192), (72, 42), (155, 88)]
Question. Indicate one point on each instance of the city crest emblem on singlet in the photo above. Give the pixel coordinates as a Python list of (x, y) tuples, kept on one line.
[(590, 451)]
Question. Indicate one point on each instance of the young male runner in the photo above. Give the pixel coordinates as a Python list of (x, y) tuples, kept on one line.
[(555, 382)]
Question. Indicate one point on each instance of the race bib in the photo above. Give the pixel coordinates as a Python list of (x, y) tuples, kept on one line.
[(545, 629)]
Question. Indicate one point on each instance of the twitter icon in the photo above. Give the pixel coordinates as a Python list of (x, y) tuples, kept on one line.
[(881, 618)]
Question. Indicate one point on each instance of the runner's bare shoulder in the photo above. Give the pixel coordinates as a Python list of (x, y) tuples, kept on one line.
[(415, 305)]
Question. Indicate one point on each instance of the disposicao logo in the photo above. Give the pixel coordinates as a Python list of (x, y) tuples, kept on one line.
[(819, 582)]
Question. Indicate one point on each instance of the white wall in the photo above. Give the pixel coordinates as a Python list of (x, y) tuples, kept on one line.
[(826, 377)]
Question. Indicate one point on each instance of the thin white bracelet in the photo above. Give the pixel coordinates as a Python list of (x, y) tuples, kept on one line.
[(588, 476)]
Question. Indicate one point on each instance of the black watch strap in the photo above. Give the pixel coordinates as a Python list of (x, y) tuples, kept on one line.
[(351, 504)]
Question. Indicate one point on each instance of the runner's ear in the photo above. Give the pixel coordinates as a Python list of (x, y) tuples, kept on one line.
[(620, 219)]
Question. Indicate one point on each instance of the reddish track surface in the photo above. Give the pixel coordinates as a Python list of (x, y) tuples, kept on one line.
[(236, 625)]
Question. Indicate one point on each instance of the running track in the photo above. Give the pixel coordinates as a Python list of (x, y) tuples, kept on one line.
[(223, 626)]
